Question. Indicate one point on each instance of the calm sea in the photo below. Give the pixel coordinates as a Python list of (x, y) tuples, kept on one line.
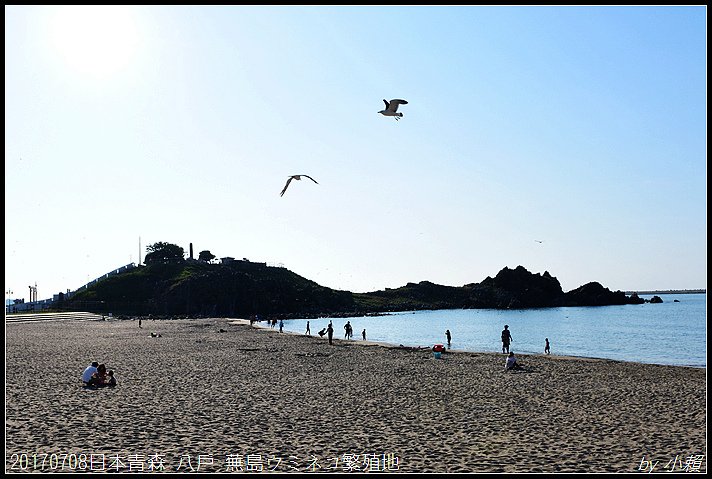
[(673, 333)]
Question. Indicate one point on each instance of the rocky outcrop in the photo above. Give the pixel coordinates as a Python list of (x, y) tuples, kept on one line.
[(594, 294), (518, 288)]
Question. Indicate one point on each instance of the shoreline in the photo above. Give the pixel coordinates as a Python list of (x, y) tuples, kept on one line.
[(466, 351), (221, 388)]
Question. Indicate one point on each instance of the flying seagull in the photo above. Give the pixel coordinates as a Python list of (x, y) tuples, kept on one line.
[(296, 177), (392, 108), (538, 241)]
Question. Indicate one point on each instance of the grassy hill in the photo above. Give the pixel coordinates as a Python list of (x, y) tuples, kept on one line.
[(192, 288)]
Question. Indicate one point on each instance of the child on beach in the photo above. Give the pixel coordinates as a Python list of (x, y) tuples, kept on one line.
[(112, 379), (511, 362)]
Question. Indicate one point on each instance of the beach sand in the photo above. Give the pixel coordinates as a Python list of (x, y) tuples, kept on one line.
[(250, 398)]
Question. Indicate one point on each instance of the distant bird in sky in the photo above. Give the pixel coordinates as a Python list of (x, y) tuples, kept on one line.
[(296, 177), (392, 108), (538, 241)]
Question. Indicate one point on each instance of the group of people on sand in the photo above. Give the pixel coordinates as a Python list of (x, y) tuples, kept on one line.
[(329, 331), (511, 362), (506, 336), (96, 376)]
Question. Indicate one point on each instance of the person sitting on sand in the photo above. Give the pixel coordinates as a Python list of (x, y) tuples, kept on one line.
[(111, 379), (98, 379), (89, 372), (512, 362), (101, 373)]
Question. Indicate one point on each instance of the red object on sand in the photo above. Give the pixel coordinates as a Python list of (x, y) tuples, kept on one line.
[(438, 348)]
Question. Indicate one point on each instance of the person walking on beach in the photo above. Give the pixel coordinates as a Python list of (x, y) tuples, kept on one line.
[(330, 332), (449, 338), (308, 333), (281, 325), (506, 338), (363, 334), (547, 349)]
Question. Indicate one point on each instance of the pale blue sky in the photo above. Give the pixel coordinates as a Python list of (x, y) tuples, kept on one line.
[(582, 127)]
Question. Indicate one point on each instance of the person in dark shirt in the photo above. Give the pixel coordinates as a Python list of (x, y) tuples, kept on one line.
[(506, 339)]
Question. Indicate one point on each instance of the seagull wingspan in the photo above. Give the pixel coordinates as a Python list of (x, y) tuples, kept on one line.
[(285, 186)]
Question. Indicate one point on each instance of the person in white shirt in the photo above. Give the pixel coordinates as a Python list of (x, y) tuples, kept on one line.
[(511, 362), (89, 371)]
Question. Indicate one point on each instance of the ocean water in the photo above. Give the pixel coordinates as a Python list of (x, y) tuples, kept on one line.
[(671, 333)]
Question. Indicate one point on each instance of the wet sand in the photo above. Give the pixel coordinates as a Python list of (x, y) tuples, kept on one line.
[(251, 399)]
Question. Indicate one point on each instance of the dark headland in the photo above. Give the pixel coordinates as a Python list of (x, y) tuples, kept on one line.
[(241, 288)]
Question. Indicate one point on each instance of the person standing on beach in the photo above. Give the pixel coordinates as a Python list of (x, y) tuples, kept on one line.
[(547, 349), (330, 332), (281, 325), (363, 334), (506, 338), (308, 333), (449, 338), (348, 329)]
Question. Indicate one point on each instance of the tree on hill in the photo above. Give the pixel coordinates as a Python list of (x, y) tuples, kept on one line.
[(162, 252), (206, 256)]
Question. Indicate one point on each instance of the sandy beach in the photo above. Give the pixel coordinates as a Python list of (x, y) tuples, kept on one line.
[(254, 400)]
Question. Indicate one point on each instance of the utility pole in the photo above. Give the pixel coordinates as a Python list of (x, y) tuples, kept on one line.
[(7, 303)]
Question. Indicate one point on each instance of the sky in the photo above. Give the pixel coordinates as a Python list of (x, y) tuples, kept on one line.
[(563, 139)]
